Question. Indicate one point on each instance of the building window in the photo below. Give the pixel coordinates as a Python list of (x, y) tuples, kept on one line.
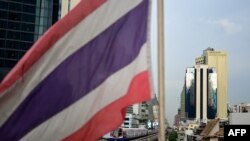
[(3, 24), (14, 16), (2, 33), (29, 9), (10, 63), (25, 45), (13, 35), (28, 18), (14, 25), (2, 53), (3, 14), (27, 27), (13, 44), (3, 5), (12, 54), (20, 54), (2, 44), (27, 37), (14, 6), (30, 1)]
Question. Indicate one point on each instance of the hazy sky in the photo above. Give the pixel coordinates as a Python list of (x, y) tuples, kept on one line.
[(190, 27)]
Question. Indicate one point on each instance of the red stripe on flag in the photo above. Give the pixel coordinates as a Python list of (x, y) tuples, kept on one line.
[(112, 116), (82, 10)]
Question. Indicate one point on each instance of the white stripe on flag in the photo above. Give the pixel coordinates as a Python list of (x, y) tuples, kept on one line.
[(74, 117), (94, 24)]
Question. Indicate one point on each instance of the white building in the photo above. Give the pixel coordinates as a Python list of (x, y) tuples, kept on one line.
[(241, 108), (239, 118), (130, 121)]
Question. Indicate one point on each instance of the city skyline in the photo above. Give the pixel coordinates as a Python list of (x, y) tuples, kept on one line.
[(191, 27)]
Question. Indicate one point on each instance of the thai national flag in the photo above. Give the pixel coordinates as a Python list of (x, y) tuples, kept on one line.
[(78, 78)]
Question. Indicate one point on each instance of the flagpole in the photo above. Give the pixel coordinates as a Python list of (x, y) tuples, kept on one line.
[(161, 69)]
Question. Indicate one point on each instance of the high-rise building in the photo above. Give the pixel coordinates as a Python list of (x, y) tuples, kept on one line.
[(177, 118), (22, 22), (217, 60), (182, 106), (201, 93)]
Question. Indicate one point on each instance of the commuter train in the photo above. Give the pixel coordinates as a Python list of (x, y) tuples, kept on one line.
[(123, 134)]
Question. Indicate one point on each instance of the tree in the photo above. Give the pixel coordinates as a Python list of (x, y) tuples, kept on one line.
[(173, 136)]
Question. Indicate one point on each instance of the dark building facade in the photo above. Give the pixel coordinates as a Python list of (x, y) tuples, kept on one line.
[(190, 93), (22, 22), (212, 94)]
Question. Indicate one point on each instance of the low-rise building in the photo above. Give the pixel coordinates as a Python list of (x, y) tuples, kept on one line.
[(241, 108), (239, 118), (130, 121)]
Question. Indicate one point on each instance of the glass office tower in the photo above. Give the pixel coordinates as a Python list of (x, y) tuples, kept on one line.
[(212, 94), (22, 22), (190, 93)]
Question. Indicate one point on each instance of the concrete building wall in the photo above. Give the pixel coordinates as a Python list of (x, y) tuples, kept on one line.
[(239, 118), (201, 92), (156, 112), (183, 113), (218, 60), (136, 109), (144, 110), (204, 94), (198, 94)]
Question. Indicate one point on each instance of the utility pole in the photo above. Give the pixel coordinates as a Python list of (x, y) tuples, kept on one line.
[(161, 76)]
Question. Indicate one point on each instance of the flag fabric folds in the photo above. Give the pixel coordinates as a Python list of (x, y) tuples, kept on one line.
[(78, 78)]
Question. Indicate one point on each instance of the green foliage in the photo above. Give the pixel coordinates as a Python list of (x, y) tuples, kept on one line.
[(173, 136)]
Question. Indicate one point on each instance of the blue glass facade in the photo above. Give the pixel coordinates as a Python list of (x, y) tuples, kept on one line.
[(190, 94), (212, 94), (22, 22)]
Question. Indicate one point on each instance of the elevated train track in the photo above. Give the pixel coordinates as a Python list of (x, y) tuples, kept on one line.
[(151, 137), (131, 134)]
